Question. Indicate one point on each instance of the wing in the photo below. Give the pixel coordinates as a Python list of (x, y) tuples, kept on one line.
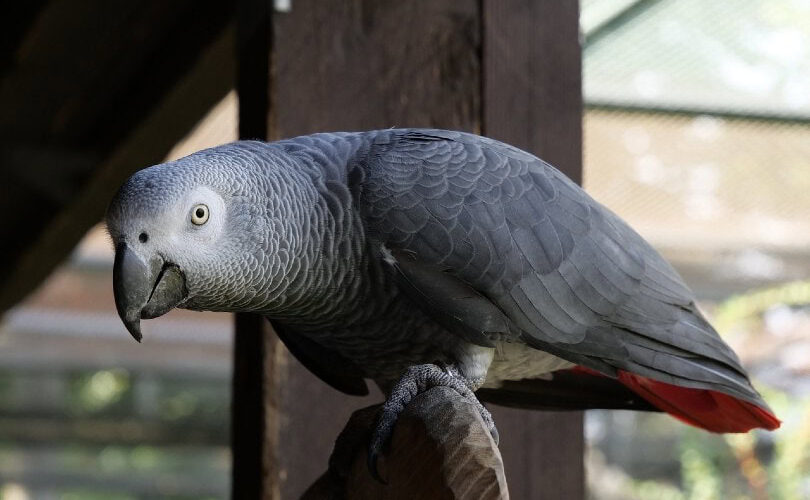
[(449, 300), (571, 277)]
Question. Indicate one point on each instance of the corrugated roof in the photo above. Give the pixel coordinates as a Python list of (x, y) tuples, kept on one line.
[(741, 57)]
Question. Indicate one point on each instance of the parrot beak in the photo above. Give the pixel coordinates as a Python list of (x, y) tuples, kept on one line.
[(144, 290)]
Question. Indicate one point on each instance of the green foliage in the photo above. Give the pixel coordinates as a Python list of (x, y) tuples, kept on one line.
[(739, 312), (80, 494), (790, 468), (700, 473), (756, 465), (656, 490), (98, 391)]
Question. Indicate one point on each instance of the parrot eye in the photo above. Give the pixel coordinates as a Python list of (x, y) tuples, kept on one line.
[(199, 215)]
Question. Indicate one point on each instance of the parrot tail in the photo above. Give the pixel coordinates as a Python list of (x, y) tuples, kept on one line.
[(710, 410), (704, 408)]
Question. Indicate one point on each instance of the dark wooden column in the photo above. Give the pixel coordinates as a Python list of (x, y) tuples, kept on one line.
[(355, 65), (485, 66), (533, 99)]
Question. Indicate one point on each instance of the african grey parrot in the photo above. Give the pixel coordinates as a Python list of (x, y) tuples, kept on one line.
[(417, 258)]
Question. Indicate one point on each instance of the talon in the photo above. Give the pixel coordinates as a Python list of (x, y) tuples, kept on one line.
[(382, 435), (495, 436), (371, 462), (415, 380)]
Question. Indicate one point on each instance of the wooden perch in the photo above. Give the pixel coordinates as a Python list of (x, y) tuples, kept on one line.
[(439, 449)]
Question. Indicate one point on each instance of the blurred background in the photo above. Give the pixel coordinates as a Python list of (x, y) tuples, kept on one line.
[(696, 130)]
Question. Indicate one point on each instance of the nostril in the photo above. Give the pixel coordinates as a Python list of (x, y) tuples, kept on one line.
[(143, 237)]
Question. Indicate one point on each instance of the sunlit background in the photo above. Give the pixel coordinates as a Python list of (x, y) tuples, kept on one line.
[(697, 131)]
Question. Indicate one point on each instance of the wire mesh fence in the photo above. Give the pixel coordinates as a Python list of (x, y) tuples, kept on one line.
[(697, 131)]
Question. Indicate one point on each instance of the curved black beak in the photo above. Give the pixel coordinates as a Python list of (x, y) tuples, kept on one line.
[(144, 289)]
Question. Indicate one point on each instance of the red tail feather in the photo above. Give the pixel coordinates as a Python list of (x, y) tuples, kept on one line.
[(710, 410)]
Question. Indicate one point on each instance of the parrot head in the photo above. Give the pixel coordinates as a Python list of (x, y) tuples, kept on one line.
[(204, 233)]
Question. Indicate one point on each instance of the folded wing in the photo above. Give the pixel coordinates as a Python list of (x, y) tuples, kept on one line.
[(571, 277)]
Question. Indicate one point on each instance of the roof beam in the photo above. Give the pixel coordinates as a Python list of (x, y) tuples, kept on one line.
[(181, 108), (644, 108), (629, 11)]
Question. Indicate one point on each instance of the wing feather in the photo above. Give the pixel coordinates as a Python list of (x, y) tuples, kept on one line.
[(571, 277)]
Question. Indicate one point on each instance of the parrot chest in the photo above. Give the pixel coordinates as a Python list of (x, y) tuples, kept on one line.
[(383, 346), (403, 335)]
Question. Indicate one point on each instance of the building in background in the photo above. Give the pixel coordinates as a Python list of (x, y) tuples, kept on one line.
[(697, 132)]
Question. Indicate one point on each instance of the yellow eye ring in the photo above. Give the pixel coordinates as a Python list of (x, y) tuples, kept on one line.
[(199, 214)]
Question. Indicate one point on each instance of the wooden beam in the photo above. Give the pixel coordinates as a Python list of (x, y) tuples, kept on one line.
[(533, 99), (15, 23), (355, 65), (82, 78), (255, 415), (180, 109), (533, 83)]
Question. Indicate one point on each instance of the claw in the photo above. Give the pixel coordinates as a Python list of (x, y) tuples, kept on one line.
[(371, 462), (382, 435), (415, 380)]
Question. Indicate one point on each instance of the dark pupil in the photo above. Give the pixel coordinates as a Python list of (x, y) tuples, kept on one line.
[(200, 213), (143, 237)]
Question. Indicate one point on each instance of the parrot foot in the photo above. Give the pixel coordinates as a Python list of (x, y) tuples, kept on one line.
[(415, 380)]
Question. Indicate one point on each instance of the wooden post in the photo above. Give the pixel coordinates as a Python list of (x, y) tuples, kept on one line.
[(359, 65), (533, 99), (509, 69)]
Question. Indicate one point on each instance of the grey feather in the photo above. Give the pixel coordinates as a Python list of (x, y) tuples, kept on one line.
[(589, 288), (455, 304)]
